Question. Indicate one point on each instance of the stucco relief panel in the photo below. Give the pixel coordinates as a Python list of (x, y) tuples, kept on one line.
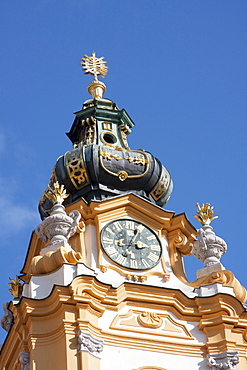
[(152, 323)]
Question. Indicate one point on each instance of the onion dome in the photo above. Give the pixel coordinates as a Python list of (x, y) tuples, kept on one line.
[(101, 165)]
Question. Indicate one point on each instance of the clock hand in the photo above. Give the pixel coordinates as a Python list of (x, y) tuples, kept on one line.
[(137, 230), (131, 242), (132, 255), (141, 245), (120, 242)]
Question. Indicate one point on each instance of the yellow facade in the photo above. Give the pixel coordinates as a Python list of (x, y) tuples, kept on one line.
[(155, 313)]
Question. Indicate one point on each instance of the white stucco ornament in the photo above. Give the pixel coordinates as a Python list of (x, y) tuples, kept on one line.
[(88, 343), (58, 227), (227, 360), (7, 319), (25, 360), (208, 248)]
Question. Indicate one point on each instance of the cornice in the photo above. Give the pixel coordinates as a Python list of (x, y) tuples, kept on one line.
[(222, 317)]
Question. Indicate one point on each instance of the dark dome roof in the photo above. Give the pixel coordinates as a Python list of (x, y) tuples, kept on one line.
[(101, 164)]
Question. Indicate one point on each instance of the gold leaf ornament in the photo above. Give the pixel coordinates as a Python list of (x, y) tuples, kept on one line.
[(16, 287), (204, 214), (122, 175), (56, 195)]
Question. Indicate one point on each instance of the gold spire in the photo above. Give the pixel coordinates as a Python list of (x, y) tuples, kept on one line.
[(205, 214), (95, 67)]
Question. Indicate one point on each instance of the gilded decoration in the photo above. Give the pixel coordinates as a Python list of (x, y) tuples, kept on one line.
[(162, 186), (140, 160), (109, 156), (107, 126), (125, 130), (57, 193), (96, 67), (122, 175), (205, 214), (75, 166), (53, 179), (135, 160), (89, 125), (16, 287)]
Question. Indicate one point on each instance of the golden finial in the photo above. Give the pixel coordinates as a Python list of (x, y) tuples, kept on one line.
[(15, 287), (96, 67), (56, 195), (205, 214)]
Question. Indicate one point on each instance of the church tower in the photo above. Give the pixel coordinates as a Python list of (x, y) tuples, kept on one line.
[(104, 285)]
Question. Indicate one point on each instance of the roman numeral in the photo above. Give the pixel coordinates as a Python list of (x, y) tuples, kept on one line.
[(121, 259), (153, 257), (107, 240), (118, 226), (133, 264), (111, 251), (129, 225), (155, 247), (145, 263), (151, 237), (110, 231)]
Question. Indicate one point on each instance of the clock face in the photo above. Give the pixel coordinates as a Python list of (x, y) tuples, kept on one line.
[(131, 244)]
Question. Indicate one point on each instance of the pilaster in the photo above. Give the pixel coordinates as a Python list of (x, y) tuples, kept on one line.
[(223, 320)]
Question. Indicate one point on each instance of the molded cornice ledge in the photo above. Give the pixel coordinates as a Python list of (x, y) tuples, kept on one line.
[(224, 321), (226, 278), (51, 261)]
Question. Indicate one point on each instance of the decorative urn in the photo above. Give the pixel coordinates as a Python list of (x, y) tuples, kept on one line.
[(209, 248), (58, 227)]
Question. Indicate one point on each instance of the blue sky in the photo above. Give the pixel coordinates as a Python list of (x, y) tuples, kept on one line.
[(179, 69)]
